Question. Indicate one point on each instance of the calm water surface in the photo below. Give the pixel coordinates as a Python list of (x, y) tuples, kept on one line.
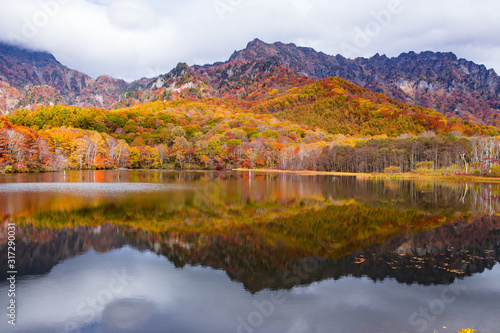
[(138, 251)]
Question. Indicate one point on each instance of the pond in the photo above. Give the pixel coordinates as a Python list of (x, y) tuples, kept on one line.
[(153, 251)]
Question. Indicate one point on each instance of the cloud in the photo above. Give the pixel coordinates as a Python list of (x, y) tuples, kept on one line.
[(131, 15), (132, 38), (126, 290)]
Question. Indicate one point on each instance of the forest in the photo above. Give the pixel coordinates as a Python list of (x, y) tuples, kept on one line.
[(218, 134), (341, 107)]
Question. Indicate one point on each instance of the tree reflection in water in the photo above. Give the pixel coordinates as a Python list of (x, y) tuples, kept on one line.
[(258, 227)]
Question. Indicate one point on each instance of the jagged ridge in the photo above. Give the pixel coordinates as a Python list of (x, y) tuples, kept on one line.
[(440, 81)]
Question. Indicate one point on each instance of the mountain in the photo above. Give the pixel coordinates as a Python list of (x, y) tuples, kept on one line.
[(440, 81), (266, 85), (236, 80), (341, 107), (32, 78)]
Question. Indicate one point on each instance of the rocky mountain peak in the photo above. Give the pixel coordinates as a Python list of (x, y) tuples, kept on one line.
[(39, 58), (37, 78), (436, 80)]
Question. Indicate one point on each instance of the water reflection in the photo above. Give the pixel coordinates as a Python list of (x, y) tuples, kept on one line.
[(321, 240), (160, 298), (28, 193), (436, 256)]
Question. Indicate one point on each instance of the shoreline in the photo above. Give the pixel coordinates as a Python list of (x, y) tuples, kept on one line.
[(360, 175), (395, 176)]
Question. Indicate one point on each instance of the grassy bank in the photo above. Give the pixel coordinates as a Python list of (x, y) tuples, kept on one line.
[(434, 176), (405, 175)]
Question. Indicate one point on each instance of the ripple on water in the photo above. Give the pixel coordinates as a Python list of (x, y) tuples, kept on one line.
[(89, 189)]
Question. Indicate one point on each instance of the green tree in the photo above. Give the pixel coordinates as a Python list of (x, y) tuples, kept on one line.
[(130, 127)]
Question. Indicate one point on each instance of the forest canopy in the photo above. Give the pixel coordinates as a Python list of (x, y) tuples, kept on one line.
[(327, 125)]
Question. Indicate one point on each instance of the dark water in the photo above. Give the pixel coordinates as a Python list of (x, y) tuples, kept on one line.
[(122, 251)]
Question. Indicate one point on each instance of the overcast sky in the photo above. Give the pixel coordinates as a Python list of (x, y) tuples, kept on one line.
[(130, 291), (130, 39)]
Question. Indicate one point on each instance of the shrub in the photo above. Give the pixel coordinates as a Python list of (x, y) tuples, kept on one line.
[(495, 170), (234, 142), (425, 165), (130, 127), (271, 134), (178, 131), (251, 134), (392, 169)]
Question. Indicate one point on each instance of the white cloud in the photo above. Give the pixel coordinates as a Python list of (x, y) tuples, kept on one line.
[(128, 38), (132, 291), (131, 15)]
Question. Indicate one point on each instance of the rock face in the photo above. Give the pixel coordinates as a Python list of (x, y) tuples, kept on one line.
[(22, 68), (31, 78), (441, 81)]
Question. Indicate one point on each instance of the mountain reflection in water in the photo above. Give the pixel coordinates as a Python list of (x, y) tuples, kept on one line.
[(268, 232)]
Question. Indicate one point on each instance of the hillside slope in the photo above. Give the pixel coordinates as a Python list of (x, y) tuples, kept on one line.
[(440, 81), (239, 80), (341, 107)]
